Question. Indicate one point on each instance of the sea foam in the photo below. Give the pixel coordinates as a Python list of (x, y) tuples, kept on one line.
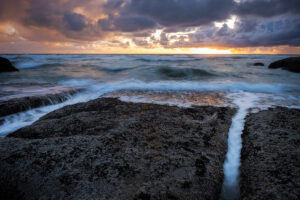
[(94, 89)]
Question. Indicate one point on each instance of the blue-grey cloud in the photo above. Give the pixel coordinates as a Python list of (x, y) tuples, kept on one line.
[(182, 12), (260, 22), (278, 31), (131, 24), (42, 14), (267, 8), (127, 24), (74, 21), (284, 30)]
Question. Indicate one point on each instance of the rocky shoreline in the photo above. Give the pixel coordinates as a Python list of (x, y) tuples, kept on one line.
[(109, 149), (16, 98), (270, 167)]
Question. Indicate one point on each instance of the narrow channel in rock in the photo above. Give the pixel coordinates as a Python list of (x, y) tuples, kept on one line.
[(230, 190)]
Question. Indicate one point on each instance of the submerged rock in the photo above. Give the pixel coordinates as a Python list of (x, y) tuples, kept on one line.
[(290, 64), (270, 155), (16, 98), (6, 66), (259, 64), (109, 149)]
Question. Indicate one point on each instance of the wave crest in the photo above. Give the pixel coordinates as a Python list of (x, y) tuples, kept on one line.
[(173, 72), (166, 58)]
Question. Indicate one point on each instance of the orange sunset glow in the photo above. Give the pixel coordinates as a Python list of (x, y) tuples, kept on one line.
[(150, 99), (147, 27)]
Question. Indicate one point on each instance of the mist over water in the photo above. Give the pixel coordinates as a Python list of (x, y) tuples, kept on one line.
[(247, 87)]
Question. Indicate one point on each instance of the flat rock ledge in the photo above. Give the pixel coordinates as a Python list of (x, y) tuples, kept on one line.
[(271, 155), (109, 149)]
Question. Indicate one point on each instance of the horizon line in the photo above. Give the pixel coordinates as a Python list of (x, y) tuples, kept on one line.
[(144, 54)]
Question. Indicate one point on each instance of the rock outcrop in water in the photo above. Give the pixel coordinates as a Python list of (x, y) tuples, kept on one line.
[(270, 155), (109, 149), (6, 66), (290, 64), (16, 98), (259, 64)]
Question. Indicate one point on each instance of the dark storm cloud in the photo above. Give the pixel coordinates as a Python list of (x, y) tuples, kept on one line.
[(247, 25), (111, 5), (267, 8), (127, 24), (54, 16), (49, 13), (131, 24), (74, 21), (182, 12), (250, 33), (275, 32), (40, 13), (260, 22)]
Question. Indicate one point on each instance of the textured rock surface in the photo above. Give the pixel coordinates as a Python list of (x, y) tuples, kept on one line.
[(271, 156), (182, 98), (108, 149), (6, 66), (16, 98), (291, 64)]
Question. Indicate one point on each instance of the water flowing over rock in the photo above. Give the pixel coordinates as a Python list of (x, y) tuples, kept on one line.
[(16, 98), (109, 149)]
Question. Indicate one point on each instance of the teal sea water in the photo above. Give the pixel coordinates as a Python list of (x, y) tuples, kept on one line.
[(249, 88), (209, 69), (99, 74)]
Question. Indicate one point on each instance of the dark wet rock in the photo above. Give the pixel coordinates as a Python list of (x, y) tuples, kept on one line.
[(290, 64), (9, 188), (259, 64), (109, 149), (270, 155), (16, 98), (6, 66)]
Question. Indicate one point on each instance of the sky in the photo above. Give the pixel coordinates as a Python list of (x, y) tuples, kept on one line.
[(150, 26)]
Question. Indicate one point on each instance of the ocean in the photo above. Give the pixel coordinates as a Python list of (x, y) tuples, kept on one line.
[(183, 80), (156, 77)]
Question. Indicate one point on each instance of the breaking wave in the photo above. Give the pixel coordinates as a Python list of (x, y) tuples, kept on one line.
[(167, 58), (115, 68), (173, 72)]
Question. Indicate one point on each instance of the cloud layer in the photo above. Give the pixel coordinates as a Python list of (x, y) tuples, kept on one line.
[(152, 23)]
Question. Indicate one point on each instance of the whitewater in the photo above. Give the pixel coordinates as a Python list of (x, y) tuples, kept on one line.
[(247, 88)]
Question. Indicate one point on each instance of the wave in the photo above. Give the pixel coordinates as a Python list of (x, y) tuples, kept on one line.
[(167, 58), (115, 68), (28, 65), (20, 58), (94, 89), (134, 84), (36, 61), (173, 72)]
